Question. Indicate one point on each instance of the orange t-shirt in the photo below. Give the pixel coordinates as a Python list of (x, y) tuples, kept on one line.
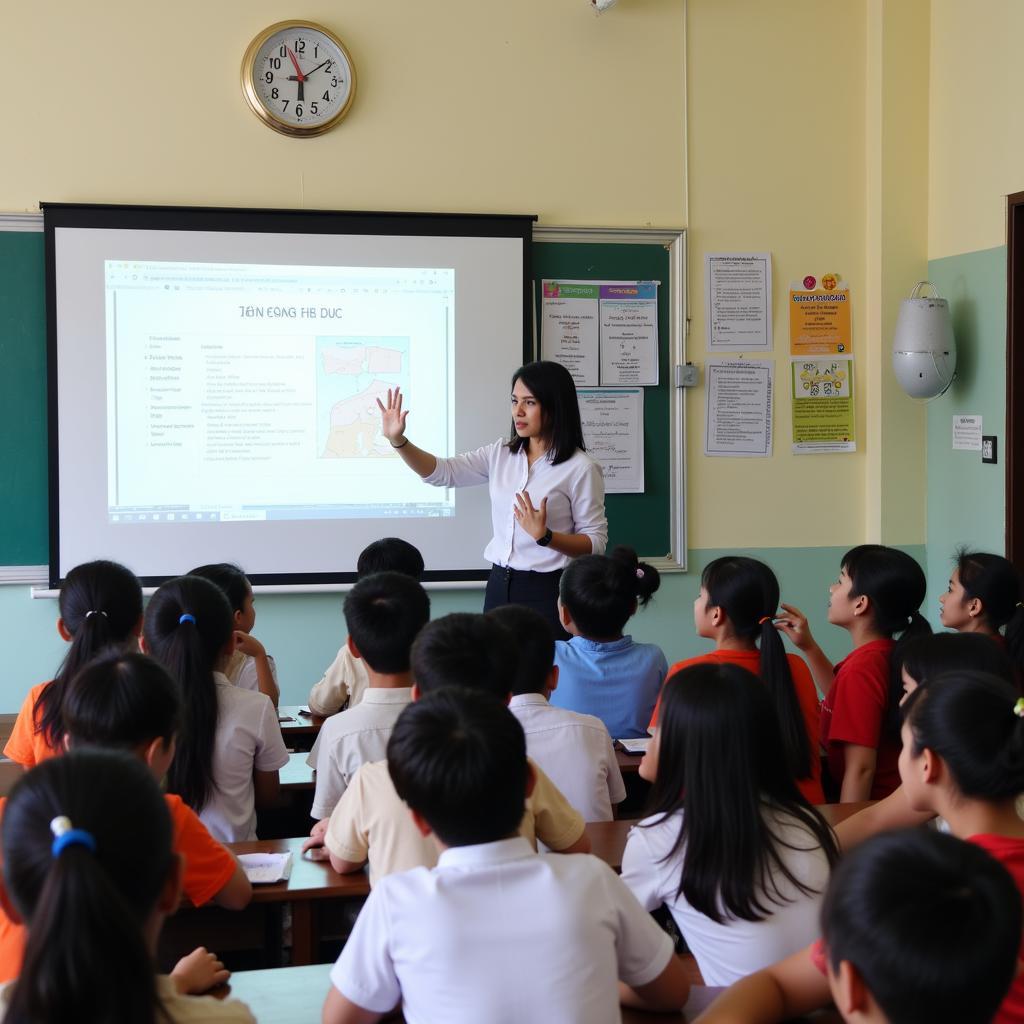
[(208, 868), (26, 744), (806, 695)]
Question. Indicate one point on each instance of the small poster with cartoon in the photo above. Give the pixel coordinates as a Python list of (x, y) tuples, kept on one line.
[(820, 322), (823, 415)]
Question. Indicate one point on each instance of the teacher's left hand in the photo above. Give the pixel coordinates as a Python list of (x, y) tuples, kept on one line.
[(533, 520)]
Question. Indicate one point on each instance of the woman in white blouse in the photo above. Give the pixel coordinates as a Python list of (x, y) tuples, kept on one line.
[(547, 494)]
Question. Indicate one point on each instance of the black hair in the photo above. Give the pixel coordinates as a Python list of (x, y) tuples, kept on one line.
[(458, 758), (230, 579), (100, 605), (465, 649), (553, 387), (924, 657), (86, 957), (721, 761), (895, 585), (535, 644), (931, 923), (969, 719), (995, 582), (384, 612), (390, 554), (122, 701), (603, 591), (748, 592), (191, 650)]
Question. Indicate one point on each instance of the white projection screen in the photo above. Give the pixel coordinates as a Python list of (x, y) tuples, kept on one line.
[(213, 377)]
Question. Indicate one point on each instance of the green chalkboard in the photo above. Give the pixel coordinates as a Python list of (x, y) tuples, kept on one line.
[(652, 522), (23, 468)]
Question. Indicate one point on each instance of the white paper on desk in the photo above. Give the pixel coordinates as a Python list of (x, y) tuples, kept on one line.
[(266, 868), (629, 340), (569, 328), (635, 746), (738, 408), (613, 430), (738, 301)]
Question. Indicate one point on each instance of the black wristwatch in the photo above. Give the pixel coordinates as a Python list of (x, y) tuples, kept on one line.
[(546, 539)]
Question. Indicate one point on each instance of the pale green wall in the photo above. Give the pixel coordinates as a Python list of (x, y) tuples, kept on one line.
[(966, 497), (303, 632)]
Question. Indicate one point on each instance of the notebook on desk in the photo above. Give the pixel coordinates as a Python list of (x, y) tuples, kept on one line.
[(266, 868)]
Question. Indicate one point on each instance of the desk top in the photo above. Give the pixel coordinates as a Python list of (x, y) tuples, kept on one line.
[(296, 724), (296, 774), (629, 764), (310, 880)]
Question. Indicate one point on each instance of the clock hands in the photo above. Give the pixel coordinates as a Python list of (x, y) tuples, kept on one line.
[(298, 77)]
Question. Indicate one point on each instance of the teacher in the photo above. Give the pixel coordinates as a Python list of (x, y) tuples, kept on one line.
[(547, 493)]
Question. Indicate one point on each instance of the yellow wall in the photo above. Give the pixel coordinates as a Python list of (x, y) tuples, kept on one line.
[(533, 106)]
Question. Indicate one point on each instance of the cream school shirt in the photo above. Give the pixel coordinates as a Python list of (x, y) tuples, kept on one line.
[(248, 739), (241, 671), (576, 752), (345, 680), (499, 933)]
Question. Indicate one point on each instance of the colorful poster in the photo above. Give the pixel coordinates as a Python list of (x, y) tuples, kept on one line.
[(569, 328), (738, 294), (823, 418), (820, 322), (629, 333)]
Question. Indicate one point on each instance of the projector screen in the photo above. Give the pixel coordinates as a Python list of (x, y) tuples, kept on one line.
[(214, 377)]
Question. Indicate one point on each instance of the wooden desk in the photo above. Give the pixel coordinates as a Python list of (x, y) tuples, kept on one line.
[(296, 775), (299, 731), (629, 764)]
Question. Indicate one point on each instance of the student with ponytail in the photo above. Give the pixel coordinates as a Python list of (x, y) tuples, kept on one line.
[(877, 600), (601, 671), (736, 607), (100, 606), (230, 749), (89, 868)]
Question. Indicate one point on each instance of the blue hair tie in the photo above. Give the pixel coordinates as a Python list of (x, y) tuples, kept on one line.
[(65, 836), (187, 618)]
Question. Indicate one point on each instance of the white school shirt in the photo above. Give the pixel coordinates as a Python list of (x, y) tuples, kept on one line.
[(248, 739), (352, 738), (346, 679), (735, 948), (574, 489), (241, 671), (499, 933), (576, 753)]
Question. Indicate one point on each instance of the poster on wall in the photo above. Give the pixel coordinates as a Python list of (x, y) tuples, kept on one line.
[(820, 322), (738, 301), (613, 430), (738, 408), (823, 416), (569, 328)]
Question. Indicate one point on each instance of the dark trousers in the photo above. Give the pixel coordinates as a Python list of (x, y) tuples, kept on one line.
[(536, 590)]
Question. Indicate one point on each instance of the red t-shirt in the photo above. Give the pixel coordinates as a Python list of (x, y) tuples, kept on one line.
[(208, 868), (854, 711), (27, 745), (806, 695)]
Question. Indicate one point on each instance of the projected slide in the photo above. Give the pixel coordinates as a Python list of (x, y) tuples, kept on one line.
[(249, 392)]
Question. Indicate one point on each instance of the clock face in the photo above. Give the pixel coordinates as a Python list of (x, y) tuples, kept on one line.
[(298, 78)]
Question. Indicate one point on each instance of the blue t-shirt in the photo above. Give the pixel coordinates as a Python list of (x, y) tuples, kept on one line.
[(617, 681)]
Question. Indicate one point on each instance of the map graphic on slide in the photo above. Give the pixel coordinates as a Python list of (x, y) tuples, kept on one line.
[(352, 373)]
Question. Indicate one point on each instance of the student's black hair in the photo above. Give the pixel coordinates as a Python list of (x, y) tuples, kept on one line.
[(100, 605), (122, 701), (925, 657), (931, 923), (190, 650), (603, 591), (997, 584), (229, 578), (465, 649), (384, 612), (390, 554), (536, 646), (553, 387), (86, 957), (748, 592), (458, 758), (721, 761), (895, 585), (969, 719)]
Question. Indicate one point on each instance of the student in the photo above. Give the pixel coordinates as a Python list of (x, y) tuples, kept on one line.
[(371, 824), (574, 750), (876, 599), (128, 702), (495, 932), (963, 759), (250, 666), (100, 606), (383, 612), (90, 868), (736, 608), (601, 671), (231, 748), (346, 679), (733, 849)]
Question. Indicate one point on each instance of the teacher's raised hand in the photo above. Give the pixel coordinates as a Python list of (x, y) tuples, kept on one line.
[(392, 418)]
